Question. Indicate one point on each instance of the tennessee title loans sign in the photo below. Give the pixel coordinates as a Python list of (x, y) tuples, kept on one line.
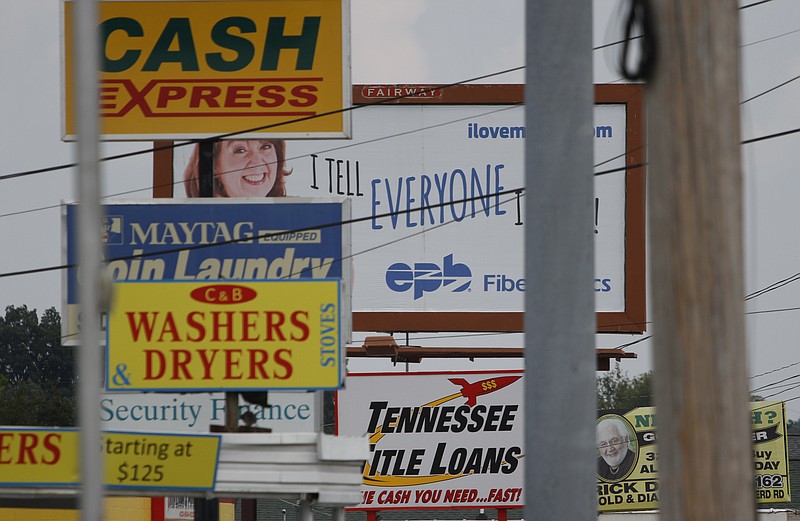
[(224, 336), (437, 440), (190, 69), (627, 457), (206, 240)]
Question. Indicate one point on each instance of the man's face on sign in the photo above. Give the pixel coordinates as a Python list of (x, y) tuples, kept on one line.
[(612, 444)]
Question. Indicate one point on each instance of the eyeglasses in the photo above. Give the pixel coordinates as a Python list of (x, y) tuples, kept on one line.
[(612, 442)]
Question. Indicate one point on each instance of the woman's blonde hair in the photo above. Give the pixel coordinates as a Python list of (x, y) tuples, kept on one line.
[(191, 176)]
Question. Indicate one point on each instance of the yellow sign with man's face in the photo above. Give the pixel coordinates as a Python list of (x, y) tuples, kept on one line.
[(190, 69), (230, 335)]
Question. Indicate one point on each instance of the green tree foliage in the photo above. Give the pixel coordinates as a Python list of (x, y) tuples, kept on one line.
[(37, 380), (616, 390)]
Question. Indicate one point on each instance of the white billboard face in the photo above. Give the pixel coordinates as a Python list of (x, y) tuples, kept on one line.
[(437, 196), (438, 440), (196, 412)]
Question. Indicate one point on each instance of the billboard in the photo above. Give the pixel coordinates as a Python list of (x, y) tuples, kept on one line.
[(627, 457), (185, 69), (224, 336), (437, 440), (205, 240), (438, 204)]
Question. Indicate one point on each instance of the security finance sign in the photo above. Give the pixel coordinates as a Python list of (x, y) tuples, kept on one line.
[(229, 335), (438, 440), (627, 457), (48, 458), (183, 69)]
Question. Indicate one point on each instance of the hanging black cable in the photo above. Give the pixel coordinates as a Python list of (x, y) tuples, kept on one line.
[(640, 20)]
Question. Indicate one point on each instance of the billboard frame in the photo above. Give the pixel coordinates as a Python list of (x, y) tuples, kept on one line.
[(631, 320)]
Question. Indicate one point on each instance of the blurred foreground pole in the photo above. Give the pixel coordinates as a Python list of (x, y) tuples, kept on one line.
[(87, 61), (704, 434), (560, 362)]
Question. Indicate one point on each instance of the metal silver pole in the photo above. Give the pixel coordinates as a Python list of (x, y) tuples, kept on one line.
[(89, 251), (560, 472), (305, 513)]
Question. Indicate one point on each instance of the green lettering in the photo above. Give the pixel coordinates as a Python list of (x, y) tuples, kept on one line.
[(243, 48), (276, 41), (132, 28), (185, 54)]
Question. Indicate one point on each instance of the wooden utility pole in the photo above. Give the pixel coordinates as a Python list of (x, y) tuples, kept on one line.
[(695, 189)]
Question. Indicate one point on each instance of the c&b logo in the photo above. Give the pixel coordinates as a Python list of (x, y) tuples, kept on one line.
[(427, 276)]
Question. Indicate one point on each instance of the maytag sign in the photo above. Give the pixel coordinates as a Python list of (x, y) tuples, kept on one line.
[(193, 69), (214, 243)]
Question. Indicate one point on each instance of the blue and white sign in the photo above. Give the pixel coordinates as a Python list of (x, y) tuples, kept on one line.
[(215, 239), (439, 197)]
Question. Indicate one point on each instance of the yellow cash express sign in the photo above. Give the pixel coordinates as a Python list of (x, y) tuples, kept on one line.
[(187, 69), (49, 457), (232, 335)]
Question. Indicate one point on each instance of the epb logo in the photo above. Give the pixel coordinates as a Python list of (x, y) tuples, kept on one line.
[(426, 276)]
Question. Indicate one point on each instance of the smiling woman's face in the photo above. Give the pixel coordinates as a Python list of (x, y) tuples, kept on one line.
[(247, 168)]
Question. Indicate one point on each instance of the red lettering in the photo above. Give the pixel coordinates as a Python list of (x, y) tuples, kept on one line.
[(27, 442), (198, 326), (283, 358), (239, 92), (5, 446), (275, 320), (231, 363), (207, 362), (301, 325), (161, 362), (53, 448), (145, 320), (180, 359), (258, 359), (169, 328), (305, 96), (167, 94), (206, 94), (249, 323), (226, 324), (273, 96)]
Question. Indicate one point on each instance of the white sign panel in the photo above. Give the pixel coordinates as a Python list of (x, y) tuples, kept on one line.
[(438, 440), (438, 195), (196, 412)]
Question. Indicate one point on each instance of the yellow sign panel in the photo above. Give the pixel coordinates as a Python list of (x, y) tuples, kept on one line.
[(218, 336), (38, 457), (137, 460), (48, 457), (627, 472), (190, 69)]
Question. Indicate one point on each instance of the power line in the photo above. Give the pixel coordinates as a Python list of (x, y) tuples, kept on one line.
[(264, 127), (514, 191), (754, 4)]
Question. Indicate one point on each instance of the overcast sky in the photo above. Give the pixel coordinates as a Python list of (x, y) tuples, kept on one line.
[(426, 41)]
